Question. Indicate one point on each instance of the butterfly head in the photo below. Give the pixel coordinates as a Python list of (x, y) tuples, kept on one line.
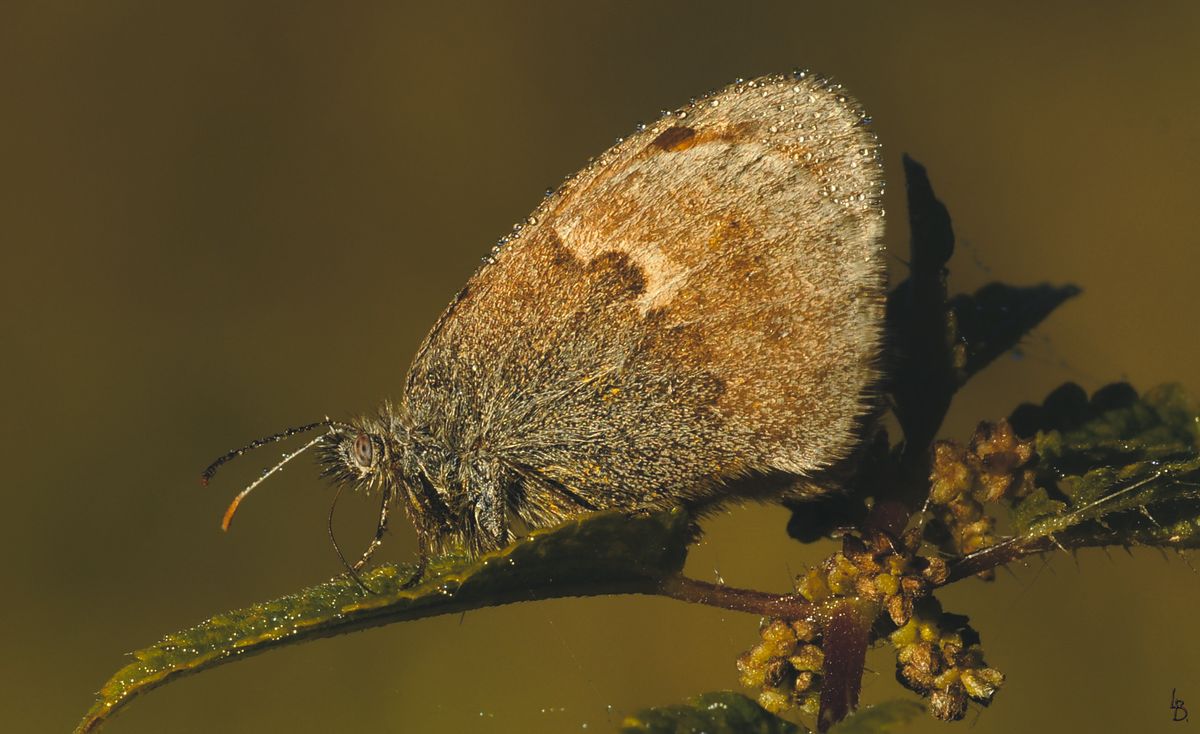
[(361, 452)]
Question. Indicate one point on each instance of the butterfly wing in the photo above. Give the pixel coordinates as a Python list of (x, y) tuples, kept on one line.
[(703, 301)]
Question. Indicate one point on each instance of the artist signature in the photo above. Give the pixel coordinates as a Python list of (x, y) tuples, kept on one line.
[(1179, 712)]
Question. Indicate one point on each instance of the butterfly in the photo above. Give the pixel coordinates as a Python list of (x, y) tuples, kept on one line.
[(696, 312)]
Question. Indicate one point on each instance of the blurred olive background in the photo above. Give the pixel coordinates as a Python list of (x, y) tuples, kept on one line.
[(221, 219)]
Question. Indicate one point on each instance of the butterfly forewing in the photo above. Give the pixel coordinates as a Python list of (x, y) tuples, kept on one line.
[(702, 302)]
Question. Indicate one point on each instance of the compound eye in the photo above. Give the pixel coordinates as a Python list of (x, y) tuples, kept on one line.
[(364, 451)]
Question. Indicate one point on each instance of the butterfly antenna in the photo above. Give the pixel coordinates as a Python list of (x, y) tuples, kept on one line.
[(242, 495), (211, 471)]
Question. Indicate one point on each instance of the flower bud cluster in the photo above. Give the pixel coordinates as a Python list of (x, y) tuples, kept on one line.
[(938, 655), (994, 465), (876, 568), (785, 666)]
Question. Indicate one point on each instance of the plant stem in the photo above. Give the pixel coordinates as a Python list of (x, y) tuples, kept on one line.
[(787, 606)]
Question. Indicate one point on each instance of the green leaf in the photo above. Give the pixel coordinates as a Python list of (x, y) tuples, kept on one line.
[(1114, 428), (603, 553), (1034, 507), (1149, 503), (1116, 469), (882, 717), (723, 712)]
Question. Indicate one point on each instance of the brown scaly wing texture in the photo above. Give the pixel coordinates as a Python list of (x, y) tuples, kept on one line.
[(701, 302)]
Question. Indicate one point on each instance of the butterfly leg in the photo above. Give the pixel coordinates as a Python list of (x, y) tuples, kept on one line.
[(380, 529), (418, 572)]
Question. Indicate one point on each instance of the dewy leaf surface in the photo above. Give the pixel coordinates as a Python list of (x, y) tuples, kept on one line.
[(1116, 469), (604, 553)]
